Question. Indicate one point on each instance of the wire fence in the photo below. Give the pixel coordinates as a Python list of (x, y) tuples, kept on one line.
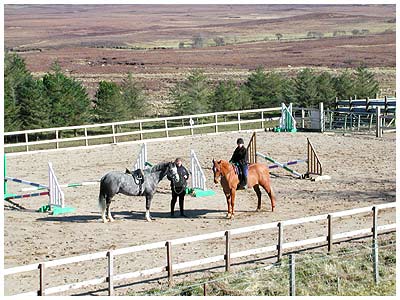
[(347, 272)]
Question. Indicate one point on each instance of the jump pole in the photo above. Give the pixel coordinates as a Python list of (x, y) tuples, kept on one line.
[(289, 163), (63, 185), (36, 185), (56, 195), (278, 164), (26, 195)]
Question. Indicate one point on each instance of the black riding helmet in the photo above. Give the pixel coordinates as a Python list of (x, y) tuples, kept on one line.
[(240, 141)]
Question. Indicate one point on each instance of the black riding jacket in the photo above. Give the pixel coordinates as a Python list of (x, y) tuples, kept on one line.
[(239, 155)]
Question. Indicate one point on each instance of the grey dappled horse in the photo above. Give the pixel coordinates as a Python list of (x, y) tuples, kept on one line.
[(116, 182)]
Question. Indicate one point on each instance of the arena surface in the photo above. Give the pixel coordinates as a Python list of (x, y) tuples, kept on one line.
[(362, 170)]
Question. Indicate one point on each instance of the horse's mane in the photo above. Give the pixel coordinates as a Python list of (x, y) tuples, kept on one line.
[(159, 167), (223, 161)]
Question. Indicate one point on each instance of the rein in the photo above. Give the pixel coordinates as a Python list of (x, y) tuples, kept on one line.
[(181, 189)]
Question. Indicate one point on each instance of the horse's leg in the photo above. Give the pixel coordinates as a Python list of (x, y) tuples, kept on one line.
[(228, 201), (233, 195), (258, 192), (148, 203), (108, 203), (271, 194)]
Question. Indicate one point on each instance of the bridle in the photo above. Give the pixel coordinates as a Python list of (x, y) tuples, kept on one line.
[(219, 169), (170, 171), (215, 169)]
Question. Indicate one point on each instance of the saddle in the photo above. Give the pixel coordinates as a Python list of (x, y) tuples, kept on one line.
[(138, 178)]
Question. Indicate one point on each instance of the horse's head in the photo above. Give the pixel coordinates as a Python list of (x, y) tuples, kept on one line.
[(217, 171), (172, 171)]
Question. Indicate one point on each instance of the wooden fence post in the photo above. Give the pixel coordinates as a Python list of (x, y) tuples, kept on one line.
[(378, 122), (204, 289), (191, 122), (386, 106), (321, 116), (86, 138), (330, 233), (280, 240), (166, 128), (375, 243), (57, 143), (26, 142), (262, 120), (169, 263), (41, 280), (292, 275), (227, 251), (110, 273), (141, 129), (113, 134)]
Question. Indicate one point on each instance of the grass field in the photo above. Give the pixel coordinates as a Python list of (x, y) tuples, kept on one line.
[(346, 272)]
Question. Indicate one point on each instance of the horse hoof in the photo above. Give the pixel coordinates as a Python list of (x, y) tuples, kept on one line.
[(228, 216), (111, 220), (258, 209)]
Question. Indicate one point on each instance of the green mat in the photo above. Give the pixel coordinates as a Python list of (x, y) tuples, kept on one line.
[(199, 192), (56, 210)]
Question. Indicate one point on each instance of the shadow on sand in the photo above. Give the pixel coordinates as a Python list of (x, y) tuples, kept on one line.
[(136, 215)]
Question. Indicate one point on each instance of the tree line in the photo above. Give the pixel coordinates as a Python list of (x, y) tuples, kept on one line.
[(56, 100)]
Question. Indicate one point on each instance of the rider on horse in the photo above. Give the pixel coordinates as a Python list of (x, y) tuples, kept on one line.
[(239, 158)]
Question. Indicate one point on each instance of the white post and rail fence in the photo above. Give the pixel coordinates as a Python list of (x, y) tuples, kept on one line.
[(128, 131), (316, 119), (280, 248)]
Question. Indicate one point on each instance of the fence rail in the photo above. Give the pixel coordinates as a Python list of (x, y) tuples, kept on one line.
[(254, 119), (107, 133), (227, 256)]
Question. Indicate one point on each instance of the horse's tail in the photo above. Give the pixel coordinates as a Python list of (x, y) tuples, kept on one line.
[(102, 197), (102, 201)]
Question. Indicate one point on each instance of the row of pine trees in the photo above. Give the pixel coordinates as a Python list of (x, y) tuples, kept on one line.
[(57, 100)]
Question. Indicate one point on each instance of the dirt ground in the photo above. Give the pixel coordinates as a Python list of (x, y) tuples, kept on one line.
[(362, 170)]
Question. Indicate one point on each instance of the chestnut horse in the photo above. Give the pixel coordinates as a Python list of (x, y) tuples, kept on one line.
[(258, 175)]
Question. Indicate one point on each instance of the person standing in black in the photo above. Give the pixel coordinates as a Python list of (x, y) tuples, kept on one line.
[(239, 157), (179, 188)]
